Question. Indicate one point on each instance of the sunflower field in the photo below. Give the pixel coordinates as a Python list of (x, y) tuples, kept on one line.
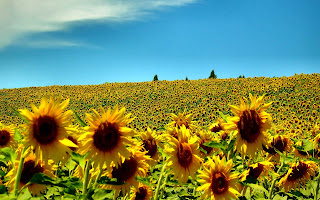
[(244, 138)]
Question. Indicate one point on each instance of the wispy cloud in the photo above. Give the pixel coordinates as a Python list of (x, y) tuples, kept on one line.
[(20, 18), (54, 43)]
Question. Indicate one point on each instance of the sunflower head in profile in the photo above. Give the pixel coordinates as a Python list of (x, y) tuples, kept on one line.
[(30, 168), (299, 173), (150, 142), (217, 181), (282, 143), (128, 169), (182, 119), (217, 126), (7, 136), (206, 136), (106, 137), (257, 170), (250, 124), (47, 130), (299, 153), (144, 192), (183, 154)]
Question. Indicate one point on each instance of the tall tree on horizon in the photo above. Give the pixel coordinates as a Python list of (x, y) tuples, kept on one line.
[(213, 75), (155, 78)]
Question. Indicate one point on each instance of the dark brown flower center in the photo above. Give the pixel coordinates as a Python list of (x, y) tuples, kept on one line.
[(29, 169), (4, 137), (279, 144), (106, 137), (45, 129), (126, 170), (216, 128), (141, 194), (150, 146), (72, 139), (255, 172), (298, 171), (184, 155), (249, 125), (219, 183)]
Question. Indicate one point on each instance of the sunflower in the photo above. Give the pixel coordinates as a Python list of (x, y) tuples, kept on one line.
[(280, 142), (31, 167), (256, 170), (150, 142), (128, 169), (250, 124), (144, 192), (217, 180), (106, 137), (182, 119), (48, 129), (184, 155), (316, 142), (7, 136), (217, 126), (299, 153), (299, 172)]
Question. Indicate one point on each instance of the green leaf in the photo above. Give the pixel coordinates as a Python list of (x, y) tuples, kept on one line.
[(109, 181), (25, 194), (17, 135), (257, 187), (297, 193), (70, 164), (102, 194), (204, 151), (2, 173), (144, 180), (3, 189), (41, 178), (19, 114), (79, 159), (215, 144), (8, 154), (250, 180), (231, 145), (307, 145), (81, 122)]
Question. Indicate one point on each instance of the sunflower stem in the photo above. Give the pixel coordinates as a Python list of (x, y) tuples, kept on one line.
[(19, 172), (274, 181), (97, 179), (159, 182), (86, 179), (317, 188)]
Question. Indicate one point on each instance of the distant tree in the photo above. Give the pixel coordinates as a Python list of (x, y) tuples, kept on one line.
[(213, 75), (241, 76), (155, 78), (187, 78)]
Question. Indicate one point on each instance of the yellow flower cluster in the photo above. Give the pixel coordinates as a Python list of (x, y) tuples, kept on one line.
[(186, 126)]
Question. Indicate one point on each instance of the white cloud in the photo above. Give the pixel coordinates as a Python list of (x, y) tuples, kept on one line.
[(21, 18)]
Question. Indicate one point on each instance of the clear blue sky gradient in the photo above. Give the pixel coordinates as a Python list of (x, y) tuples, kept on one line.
[(252, 38)]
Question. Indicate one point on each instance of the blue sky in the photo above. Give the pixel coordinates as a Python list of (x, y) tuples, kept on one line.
[(84, 42)]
